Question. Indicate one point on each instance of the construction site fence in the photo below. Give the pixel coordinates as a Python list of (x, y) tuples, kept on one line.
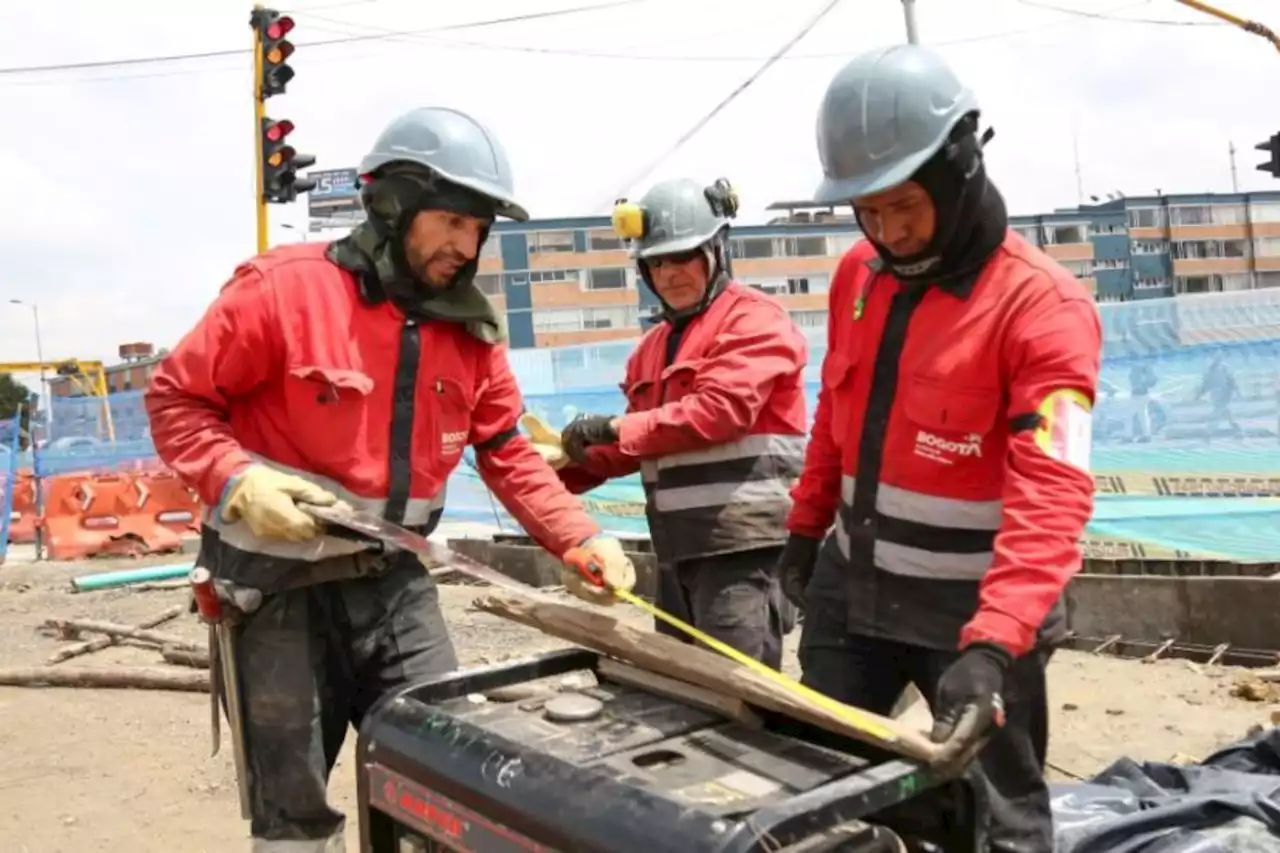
[(1186, 446)]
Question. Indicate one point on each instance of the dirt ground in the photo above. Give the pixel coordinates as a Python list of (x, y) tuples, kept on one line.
[(116, 770)]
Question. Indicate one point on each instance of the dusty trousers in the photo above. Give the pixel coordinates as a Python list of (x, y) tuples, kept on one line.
[(313, 661), (734, 598), (871, 673)]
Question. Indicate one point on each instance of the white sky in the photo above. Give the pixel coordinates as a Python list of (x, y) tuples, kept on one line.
[(131, 187)]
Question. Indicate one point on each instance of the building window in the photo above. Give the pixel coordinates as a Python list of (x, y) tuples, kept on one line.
[(551, 276), (1183, 284), (1151, 283), (1146, 217), (1029, 233), (607, 278), (582, 319), (1266, 247), (1149, 247), (1110, 264), (557, 320), (550, 241), (841, 243), (1079, 269), (1265, 211), (490, 285), (1270, 278), (604, 241), (1063, 235), (1204, 249), (492, 247), (1191, 215), (610, 318), (751, 247), (811, 283), (809, 319), (803, 247)]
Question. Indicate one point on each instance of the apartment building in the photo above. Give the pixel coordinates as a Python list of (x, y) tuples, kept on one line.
[(1130, 248), (138, 361), (572, 281)]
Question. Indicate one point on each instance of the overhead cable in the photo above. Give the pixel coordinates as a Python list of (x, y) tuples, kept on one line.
[(349, 39), (728, 99)]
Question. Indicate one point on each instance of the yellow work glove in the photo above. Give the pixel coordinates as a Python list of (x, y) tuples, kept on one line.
[(545, 440), (264, 498), (592, 570)]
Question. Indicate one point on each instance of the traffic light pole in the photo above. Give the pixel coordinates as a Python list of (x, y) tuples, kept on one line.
[(259, 113), (1246, 25)]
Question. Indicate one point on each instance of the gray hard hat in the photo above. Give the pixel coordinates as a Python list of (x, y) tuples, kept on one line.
[(678, 216), (884, 114), (455, 146)]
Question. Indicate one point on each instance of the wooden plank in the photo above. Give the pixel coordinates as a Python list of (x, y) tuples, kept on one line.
[(683, 691), (671, 657), (97, 644), (137, 677)]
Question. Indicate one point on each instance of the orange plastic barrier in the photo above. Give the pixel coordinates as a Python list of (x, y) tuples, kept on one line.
[(89, 515), (22, 516)]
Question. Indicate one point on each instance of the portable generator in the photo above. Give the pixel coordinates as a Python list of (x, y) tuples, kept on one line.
[(612, 768)]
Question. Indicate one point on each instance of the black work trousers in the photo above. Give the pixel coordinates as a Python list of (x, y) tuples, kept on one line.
[(734, 598), (871, 673), (313, 661)]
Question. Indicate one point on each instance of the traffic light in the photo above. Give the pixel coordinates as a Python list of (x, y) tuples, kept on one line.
[(274, 50), (281, 164), (1272, 147)]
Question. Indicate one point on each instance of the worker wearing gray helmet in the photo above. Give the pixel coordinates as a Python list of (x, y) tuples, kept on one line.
[(950, 447), (356, 371), (714, 423)]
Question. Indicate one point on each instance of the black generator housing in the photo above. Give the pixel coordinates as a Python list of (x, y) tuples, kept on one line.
[(441, 773)]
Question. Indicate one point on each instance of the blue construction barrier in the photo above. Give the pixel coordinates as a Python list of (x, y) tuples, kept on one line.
[(1189, 405), (10, 436)]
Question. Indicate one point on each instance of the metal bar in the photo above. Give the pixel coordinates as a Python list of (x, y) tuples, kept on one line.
[(1198, 652)]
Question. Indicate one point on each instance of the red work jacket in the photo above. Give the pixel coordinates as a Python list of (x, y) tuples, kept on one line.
[(715, 424), (294, 367), (950, 447)]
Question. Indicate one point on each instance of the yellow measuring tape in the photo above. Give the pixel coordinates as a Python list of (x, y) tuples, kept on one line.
[(852, 716)]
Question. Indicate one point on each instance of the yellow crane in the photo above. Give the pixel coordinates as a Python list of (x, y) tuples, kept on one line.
[(88, 377)]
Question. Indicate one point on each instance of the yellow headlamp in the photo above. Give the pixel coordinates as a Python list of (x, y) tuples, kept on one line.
[(628, 220)]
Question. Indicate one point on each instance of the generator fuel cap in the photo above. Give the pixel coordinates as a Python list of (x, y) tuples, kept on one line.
[(572, 708)]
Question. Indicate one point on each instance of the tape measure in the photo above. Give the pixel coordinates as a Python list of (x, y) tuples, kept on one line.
[(852, 716)]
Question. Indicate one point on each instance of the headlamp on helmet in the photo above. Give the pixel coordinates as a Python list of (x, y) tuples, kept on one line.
[(723, 198), (628, 220)]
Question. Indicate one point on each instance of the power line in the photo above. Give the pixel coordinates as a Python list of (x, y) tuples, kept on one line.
[(1111, 16), (728, 99), (213, 54), (421, 37)]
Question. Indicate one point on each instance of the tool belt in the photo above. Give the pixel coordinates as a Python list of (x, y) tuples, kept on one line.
[(272, 575)]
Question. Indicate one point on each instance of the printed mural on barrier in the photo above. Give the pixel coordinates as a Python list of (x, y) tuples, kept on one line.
[(1189, 408)]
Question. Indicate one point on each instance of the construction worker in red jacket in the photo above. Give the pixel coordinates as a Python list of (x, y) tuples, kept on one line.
[(715, 422), (950, 447), (354, 371)]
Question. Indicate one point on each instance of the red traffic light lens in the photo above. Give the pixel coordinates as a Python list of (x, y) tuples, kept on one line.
[(279, 130), (279, 28)]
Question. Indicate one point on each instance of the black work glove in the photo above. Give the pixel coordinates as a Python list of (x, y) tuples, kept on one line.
[(970, 701), (584, 431), (795, 566)]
